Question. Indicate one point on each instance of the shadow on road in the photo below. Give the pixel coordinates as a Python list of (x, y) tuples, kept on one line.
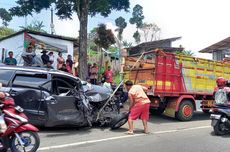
[(159, 119), (64, 131), (154, 119), (227, 135)]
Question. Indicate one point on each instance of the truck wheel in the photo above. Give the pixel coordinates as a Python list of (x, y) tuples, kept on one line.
[(185, 111)]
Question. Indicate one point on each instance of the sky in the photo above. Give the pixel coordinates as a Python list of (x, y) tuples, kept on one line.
[(200, 23)]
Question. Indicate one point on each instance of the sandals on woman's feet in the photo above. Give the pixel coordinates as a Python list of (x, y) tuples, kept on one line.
[(129, 133)]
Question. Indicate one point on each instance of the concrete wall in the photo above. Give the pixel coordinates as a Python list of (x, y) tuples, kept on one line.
[(15, 44)]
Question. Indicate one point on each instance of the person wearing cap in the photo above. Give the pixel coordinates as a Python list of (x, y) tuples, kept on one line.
[(10, 60), (44, 57), (139, 105)]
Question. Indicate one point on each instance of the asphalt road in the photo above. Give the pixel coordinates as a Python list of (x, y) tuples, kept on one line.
[(167, 134)]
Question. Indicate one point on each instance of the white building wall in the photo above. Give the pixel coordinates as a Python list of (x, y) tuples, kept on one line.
[(15, 44)]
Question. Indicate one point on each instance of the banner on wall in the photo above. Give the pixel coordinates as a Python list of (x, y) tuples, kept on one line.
[(39, 43)]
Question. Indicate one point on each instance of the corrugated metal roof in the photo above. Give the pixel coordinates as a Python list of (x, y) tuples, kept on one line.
[(219, 46), (42, 34)]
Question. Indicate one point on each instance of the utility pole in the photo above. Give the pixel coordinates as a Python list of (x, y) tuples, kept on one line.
[(52, 22)]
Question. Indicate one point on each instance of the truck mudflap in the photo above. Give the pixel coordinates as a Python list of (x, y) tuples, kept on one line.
[(170, 110)]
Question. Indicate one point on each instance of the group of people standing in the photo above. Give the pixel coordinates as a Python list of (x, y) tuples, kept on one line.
[(45, 60), (107, 75)]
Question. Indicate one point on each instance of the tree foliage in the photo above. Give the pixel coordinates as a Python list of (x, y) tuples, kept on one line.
[(185, 52), (65, 9), (4, 31), (35, 26), (137, 37), (151, 31), (127, 44), (137, 16), (5, 16), (137, 19), (105, 37), (121, 24)]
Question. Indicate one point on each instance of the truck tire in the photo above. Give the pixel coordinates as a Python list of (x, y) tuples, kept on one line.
[(186, 111)]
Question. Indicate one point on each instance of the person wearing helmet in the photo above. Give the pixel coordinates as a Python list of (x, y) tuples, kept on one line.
[(221, 82), (222, 91)]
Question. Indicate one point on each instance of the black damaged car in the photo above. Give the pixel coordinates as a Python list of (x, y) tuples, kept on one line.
[(55, 98)]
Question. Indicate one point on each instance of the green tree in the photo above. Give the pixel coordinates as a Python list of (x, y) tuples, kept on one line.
[(5, 16), (137, 18), (151, 31), (185, 52), (121, 24), (4, 31), (127, 44), (137, 37), (105, 37), (66, 9), (35, 26)]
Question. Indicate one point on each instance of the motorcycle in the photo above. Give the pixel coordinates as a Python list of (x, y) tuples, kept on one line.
[(19, 136), (220, 113), (221, 118)]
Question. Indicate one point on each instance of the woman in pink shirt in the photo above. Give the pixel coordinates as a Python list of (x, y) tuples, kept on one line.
[(60, 60), (139, 105)]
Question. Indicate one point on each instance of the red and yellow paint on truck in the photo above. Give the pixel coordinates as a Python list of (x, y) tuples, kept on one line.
[(176, 83)]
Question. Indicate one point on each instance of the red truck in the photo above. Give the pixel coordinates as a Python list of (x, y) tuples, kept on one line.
[(176, 83)]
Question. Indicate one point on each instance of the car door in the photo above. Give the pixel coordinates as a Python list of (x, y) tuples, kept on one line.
[(62, 107), (26, 92)]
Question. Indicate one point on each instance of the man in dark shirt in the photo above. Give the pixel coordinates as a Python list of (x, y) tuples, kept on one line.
[(45, 57), (10, 60)]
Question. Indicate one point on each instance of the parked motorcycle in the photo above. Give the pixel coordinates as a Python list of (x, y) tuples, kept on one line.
[(221, 111), (19, 136)]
